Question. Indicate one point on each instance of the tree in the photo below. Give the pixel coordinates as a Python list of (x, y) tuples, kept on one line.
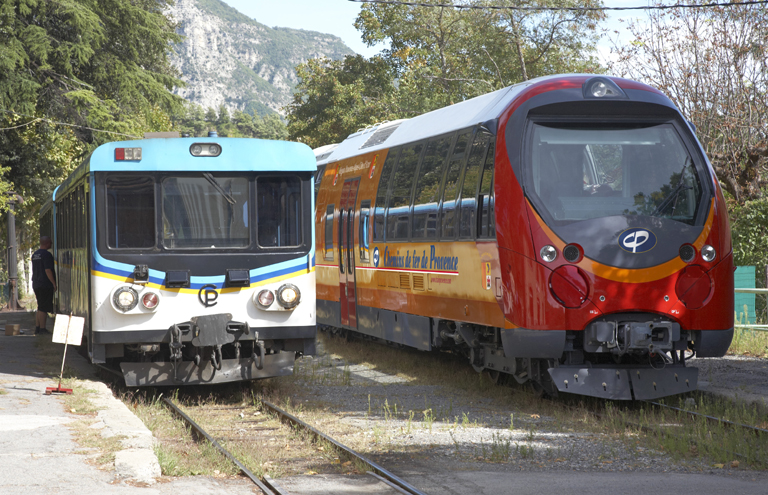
[(100, 66), (713, 63), (437, 56), (336, 97)]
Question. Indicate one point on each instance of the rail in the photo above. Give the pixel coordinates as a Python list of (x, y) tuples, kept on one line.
[(267, 484)]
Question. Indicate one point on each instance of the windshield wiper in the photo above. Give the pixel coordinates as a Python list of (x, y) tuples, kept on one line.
[(672, 197), (220, 189)]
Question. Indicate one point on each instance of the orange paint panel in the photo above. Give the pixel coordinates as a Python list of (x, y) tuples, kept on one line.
[(614, 274)]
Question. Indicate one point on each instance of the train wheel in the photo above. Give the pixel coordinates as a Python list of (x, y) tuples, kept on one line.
[(498, 377)]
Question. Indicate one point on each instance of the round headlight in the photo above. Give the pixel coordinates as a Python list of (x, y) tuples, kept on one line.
[(214, 149), (572, 253), (196, 149), (265, 298), (708, 253), (125, 298), (288, 296), (599, 89), (150, 300), (687, 253), (548, 253)]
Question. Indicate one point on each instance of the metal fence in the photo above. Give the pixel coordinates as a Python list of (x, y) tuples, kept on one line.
[(757, 328)]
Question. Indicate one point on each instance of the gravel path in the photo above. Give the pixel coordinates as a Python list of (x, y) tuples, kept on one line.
[(734, 376), (407, 425)]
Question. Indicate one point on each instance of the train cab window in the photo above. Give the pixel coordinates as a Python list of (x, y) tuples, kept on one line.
[(486, 223), (399, 204), (427, 193), (278, 211), (205, 212), (451, 187), (130, 212), (379, 213), (328, 251), (584, 171), (364, 223), (467, 203)]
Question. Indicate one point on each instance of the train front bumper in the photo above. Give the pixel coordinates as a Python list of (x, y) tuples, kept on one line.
[(625, 383), (159, 374)]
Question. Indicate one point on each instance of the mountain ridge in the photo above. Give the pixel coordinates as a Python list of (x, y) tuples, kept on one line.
[(230, 59)]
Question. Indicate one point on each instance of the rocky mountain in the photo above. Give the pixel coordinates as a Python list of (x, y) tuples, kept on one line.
[(228, 58)]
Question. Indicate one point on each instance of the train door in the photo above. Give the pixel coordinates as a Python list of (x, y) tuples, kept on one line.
[(346, 245)]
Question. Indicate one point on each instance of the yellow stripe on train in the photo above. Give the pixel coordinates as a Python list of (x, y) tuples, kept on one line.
[(225, 290)]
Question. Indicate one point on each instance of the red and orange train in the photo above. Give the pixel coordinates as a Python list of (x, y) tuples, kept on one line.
[(568, 231)]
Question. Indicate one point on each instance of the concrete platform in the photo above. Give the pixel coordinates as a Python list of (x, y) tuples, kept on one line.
[(37, 452)]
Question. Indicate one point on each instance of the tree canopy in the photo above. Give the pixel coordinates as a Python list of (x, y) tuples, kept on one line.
[(75, 74), (712, 62), (437, 56)]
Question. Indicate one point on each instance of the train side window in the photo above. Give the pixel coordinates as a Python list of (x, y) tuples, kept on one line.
[(278, 211), (399, 204), (319, 179), (328, 251), (364, 223), (468, 205), (427, 193), (451, 187), (379, 213), (485, 227), (130, 212)]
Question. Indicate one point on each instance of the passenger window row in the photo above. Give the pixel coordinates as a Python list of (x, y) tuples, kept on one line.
[(441, 188)]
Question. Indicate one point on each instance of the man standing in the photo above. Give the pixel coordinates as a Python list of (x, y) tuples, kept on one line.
[(43, 283)]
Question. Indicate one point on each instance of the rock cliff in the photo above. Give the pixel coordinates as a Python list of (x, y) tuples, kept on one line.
[(228, 58)]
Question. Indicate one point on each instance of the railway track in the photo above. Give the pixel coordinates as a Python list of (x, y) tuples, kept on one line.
[(268, 485)]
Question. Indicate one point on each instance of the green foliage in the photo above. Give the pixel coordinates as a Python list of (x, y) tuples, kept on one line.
[(436, 57), (96, 64), (338, 97), (749, 230), (193, 121)]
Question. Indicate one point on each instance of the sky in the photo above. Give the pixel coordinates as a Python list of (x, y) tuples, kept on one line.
[(338, 16)]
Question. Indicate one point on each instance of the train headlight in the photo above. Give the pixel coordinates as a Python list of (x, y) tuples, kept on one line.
[(548, 253), (125, 298), (687, 253), (288, 296), (708, 253), (150, 300), (265, 298), (602, 87)]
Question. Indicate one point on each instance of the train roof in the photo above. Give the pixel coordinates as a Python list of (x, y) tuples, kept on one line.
[(447, 119), (173, 154), (461, 115)]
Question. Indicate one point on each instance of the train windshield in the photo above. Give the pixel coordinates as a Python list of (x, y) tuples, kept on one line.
[(578, 172), (205, 212)]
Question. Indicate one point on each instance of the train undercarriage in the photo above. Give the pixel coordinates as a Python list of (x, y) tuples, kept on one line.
[(622, 357)]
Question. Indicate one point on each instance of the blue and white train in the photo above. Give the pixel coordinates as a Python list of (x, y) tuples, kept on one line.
[(192, 259)]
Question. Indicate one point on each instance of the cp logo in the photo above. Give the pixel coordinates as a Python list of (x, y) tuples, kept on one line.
[(637, 240), (375, 256), (208, 295)]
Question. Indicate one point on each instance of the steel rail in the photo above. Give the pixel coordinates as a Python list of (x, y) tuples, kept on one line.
[(375, 468), (711, 419), (267, 485)]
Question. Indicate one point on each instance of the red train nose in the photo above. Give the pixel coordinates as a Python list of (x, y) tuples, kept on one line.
[(693, 286), (569, 285)]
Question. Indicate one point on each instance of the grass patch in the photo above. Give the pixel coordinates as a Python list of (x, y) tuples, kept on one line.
[(686, 438), (748, 342)]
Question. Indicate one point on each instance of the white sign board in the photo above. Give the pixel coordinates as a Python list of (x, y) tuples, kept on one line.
[(68, 329)]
